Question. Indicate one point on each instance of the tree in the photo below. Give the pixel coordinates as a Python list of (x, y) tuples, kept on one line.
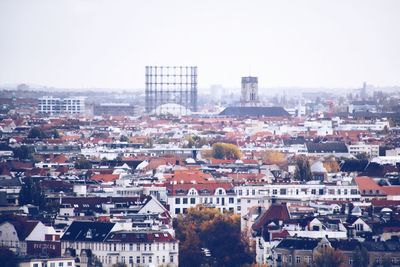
[(303, 169), (7, 258), (274, 157), (225, 151), (83, 163), (36, 133), (361, 257), (124, 138), (328, 257), (31, 193), (362, 156), (206, 229), (23, 152)]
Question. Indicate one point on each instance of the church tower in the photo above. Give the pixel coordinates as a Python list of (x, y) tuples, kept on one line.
[(249, 96)]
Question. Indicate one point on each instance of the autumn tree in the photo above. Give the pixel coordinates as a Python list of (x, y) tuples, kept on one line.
[(274, 157), (202, 229), (225, 151), (303, 169), (328, 257)]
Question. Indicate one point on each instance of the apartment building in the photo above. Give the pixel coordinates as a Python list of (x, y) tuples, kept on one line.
[(54, 105)]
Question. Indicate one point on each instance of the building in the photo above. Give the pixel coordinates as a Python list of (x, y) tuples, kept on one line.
[(167, 87), (362, 148), (54, 105), (249, 96), (114, 109), (49, 262), (110, 244)]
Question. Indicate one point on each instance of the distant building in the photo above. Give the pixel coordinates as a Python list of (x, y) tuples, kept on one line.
[(249, 97), (54, 105), (114, 109)]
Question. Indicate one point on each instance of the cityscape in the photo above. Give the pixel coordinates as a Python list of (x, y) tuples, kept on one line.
[(181, 167)]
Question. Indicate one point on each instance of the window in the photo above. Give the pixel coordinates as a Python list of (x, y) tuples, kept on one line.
[(321, 191), (36, 265), (177, 200), (297, 259), (163, 259), (171, 258), (53, 264), (177, 210), (275, 191), (130, 246), (282, 191), (192, 200), (150, 259), (69, 263), (130, 259), (185, 200), (350, 260), (231, 200), (290, 259), (60, 264), (138, 247), (313, 191), (138, 259)]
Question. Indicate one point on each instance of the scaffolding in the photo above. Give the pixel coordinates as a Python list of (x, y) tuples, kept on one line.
[(171, 84)]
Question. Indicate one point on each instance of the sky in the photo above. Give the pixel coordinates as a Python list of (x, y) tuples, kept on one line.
[(108, 43)]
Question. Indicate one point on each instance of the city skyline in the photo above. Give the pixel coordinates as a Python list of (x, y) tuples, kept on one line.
[(106, 44)]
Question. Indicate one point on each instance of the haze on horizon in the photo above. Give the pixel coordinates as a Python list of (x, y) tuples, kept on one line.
[(107, 43)]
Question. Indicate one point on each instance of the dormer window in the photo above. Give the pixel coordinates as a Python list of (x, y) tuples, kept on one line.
[(89, 234)]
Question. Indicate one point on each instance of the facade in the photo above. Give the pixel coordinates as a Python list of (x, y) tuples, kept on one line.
[(110, 244), (181, 197), (249, 96), (114, 109), (49, 262), (54, 105), (362, 148)]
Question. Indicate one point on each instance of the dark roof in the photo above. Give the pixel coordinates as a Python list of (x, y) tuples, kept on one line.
[(345, 245), (255, 112), (353, 165), (87, 231), (298, 243), (139, 237), (21, 225), (276, 212), (10, 182), (328, 147)]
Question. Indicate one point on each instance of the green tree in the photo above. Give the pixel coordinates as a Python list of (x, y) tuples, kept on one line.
[(31, 193), (206, 228), (36, 133), (225, 151), (362, 156), (303, 169), (8, 258), (361, 257), (329, 257), (83, 163), (124, 138), (23, 152)]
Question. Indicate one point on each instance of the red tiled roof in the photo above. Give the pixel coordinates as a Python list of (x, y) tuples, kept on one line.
[(366, 183), (105, 177), (391, 190), (275, 212)]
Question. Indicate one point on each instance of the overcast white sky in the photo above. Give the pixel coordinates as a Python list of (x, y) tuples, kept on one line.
[(107, 43)]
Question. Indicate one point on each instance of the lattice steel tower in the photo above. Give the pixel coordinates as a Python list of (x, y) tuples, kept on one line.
[(171, 84)]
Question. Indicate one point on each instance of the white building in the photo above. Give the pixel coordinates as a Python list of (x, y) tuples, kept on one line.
[(111, 245), (362, 148), (55, 105)]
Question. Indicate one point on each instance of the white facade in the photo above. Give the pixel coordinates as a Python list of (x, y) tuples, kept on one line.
[(360, 148), (52, 262), (54, 105)]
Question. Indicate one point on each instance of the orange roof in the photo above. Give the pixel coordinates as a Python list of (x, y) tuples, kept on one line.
[(190, 176), (366, 183), (105, 177), (392, 190)]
